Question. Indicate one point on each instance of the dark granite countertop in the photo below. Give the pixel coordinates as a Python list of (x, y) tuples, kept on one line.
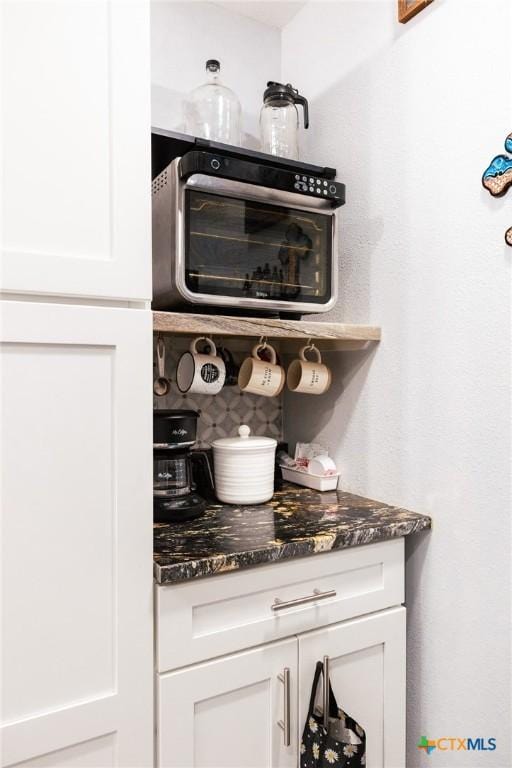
[(296, 522)]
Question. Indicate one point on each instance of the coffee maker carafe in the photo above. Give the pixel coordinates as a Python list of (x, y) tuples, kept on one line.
[(176, 468)]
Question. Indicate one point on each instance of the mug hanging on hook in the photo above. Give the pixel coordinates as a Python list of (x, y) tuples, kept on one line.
[(260, 376), (306, 376), (232, 368), (201, 373)]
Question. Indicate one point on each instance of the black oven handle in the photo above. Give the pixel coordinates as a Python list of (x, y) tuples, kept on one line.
[(211, 164)]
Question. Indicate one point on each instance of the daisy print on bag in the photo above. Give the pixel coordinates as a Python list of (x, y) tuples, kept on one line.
[(331, 756), (316, 750), (350, 750), (302, 747), (313, 725)]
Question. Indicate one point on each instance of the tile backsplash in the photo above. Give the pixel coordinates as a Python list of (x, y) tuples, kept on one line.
[(220, 415)]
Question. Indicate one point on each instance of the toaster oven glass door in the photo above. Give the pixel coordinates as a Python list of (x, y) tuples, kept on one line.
[(245, 248)]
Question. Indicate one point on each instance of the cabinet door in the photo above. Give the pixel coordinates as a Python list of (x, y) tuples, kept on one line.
[(225, 713), (76, 536), (367, 671), (76, 148)]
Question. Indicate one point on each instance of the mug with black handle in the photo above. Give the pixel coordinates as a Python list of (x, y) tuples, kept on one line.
[(231, 367)]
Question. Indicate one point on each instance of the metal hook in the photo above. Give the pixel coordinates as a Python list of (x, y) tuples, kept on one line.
[(263, 342)]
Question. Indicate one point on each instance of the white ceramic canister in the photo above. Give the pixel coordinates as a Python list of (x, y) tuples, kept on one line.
[(244, 468)]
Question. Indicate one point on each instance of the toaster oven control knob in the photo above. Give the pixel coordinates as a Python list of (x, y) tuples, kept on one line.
[(215, 164), (332, 189)]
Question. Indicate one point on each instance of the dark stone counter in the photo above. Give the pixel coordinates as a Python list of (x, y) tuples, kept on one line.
[(297, 522)]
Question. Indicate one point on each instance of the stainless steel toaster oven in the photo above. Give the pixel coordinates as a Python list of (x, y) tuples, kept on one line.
[(236, 233)]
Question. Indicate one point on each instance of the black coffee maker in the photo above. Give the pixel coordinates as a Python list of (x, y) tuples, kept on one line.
[(177, 470)]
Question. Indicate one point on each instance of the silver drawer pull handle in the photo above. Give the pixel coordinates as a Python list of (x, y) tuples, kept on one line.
[(280, 605), (285, 722)]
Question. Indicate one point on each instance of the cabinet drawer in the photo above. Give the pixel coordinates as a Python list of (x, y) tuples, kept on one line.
[(210, 617)]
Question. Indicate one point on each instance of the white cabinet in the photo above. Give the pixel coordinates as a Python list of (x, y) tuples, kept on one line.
[(226, 713), (367, 672), (76, 148), (76, 444), (76, 435), (228, 709), (223, 712)]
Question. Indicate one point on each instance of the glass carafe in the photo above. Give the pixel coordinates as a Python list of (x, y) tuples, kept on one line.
[(212, 111), (279, 120), (171, 474)]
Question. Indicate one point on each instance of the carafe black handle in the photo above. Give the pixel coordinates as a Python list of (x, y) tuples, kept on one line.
[(202, 459), (298, 99)]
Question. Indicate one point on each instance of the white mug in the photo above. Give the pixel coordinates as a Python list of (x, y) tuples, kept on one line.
[(313, 378), (199, 373), (259, 377)]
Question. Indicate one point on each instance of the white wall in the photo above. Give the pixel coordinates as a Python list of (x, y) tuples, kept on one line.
[(411, 115), (185, 34)]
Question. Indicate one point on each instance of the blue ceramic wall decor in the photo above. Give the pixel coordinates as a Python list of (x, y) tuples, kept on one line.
[(497, 178)]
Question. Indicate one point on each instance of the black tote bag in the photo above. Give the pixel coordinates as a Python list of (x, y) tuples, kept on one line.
[(342, 745)]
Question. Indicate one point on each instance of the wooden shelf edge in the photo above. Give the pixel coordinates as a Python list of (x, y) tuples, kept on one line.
[(224, 325)]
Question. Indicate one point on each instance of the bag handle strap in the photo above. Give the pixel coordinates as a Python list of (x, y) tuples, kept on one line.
[(333, 705), (316, 678)]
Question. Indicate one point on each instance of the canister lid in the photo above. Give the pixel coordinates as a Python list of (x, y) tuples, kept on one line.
[(244, 442)]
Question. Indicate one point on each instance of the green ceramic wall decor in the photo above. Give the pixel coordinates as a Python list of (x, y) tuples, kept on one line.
[(497, 178)]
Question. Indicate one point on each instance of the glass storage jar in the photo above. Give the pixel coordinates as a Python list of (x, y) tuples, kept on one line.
[(212, 111), (279, 120)]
